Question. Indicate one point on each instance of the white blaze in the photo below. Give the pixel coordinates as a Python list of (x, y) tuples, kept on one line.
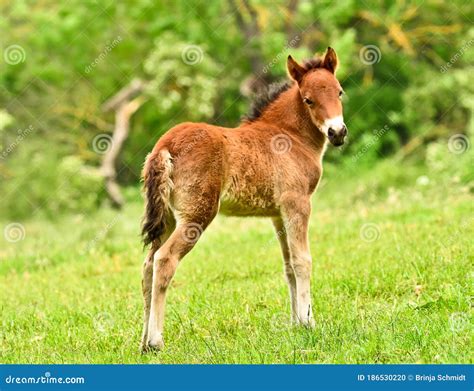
[(336, 123)]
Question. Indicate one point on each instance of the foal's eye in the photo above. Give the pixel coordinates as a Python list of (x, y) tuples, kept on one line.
[(341, 93), (308, 101)]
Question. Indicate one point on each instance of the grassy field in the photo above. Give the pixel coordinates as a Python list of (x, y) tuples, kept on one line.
[(392, 281)]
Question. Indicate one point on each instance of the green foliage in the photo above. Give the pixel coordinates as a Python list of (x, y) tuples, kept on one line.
[(442, 101), (452, 168), (403, 297), (6, 120), (83, 189), (182, 78), (67, 185), (74, 55)]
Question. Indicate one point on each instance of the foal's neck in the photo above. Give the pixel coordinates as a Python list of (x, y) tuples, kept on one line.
[(288, 112)]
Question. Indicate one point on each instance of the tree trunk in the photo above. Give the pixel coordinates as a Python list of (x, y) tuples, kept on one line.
[(124, 109)]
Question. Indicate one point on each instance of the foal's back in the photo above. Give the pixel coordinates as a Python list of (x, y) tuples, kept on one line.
[(241, 169)]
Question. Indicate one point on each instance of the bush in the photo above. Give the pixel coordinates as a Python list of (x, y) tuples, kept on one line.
[(50, 185)]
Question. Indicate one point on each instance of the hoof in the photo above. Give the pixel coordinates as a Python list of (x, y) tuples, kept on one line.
[(154, 344), (307, 323), (310, 324), (144, 348)]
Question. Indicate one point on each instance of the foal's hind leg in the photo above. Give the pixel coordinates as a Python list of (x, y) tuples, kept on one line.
[(166, 260), (289, 272), (147, 278)]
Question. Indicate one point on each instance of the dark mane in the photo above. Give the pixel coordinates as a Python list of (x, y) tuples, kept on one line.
[(264, 97), (271, 92)]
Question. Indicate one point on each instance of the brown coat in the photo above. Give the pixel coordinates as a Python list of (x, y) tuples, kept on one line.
[(268, 166)]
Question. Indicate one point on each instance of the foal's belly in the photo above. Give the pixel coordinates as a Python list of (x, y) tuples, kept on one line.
[(248, 203)]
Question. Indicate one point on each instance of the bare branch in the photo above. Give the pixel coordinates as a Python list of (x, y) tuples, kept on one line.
[(135, 87), (120, 134)]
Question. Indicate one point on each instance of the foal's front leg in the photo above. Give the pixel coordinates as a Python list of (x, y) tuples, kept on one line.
[(296, 212), (289, 272)]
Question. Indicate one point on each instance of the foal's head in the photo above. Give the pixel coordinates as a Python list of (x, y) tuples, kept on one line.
[(321, 93)]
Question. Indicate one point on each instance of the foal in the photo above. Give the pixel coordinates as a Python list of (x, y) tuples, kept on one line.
[(269, 166)]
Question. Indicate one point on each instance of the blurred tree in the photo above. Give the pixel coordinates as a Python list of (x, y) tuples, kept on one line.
[(405, 66)]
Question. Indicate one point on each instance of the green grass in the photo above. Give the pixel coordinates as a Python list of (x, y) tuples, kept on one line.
[(70, 290)]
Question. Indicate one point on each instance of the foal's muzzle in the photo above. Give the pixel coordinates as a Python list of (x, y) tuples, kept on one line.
[(337, 137)]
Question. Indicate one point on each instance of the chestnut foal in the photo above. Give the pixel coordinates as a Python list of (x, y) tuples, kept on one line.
[(269, 166)]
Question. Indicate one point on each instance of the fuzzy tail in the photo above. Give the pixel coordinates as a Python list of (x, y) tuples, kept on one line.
[(157, 185)]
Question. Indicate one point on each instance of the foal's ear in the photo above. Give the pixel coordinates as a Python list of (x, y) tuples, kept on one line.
[(295, 70), (330, 60)]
